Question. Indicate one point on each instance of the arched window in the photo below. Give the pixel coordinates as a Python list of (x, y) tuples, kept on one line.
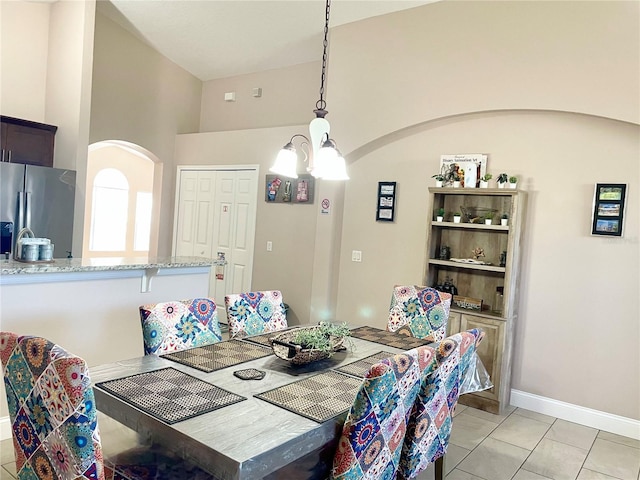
[(119, 209), (110, 211)]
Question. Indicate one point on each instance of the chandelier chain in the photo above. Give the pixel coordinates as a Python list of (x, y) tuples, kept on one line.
[(321, 104)]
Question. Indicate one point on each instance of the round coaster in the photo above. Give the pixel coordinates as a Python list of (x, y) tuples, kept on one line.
[(250, 374)]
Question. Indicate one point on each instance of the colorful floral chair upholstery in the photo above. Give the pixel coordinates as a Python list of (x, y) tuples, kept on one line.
[(254, 313), (373, 434), (54, 420), (424, 310), (430, 422), (171, 326), (52, 410)]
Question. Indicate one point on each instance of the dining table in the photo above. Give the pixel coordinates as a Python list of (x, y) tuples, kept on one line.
[(203, 405)]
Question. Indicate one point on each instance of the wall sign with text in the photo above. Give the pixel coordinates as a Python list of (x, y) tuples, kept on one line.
[(608, 209), (385, 211)]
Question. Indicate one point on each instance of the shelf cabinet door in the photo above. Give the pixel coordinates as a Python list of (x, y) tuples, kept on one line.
[(490, 351), (26, 142)]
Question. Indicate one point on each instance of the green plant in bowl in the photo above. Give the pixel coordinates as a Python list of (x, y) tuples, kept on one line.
[(320, 338)]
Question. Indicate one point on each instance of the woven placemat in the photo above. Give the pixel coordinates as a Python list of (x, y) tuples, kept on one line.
[(219, 355), (390, 339), (318, 398), (263, 339), (359, 368), (169, 394)]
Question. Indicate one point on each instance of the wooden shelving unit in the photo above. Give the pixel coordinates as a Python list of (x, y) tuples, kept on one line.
[(480, 281)]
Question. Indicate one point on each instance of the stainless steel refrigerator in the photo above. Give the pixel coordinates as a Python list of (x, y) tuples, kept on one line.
[(40, 198)]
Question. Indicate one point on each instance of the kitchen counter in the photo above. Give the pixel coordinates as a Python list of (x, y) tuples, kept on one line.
[(63, 265)]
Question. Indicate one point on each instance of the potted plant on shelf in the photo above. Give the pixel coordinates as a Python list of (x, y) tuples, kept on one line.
[(456, 217), (488, 218), (484, 180), (513, 182), (503, 178), (439, 179), (456, 180), (440, 215), (504, 220)]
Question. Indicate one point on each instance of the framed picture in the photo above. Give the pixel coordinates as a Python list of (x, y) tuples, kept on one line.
[(386, 203), (289, 190), (468, 168), (608, 209)]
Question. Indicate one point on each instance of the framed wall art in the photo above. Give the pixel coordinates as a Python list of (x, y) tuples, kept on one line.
[(386, 204), (467, 168), (608, 209), (280, 189)]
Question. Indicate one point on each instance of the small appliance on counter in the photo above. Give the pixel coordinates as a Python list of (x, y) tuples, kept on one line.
[(32, 250)]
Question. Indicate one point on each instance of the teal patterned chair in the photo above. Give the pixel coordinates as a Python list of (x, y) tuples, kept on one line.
[(254, 313), (54, 421), (374, 431), (424, 311), (400, 421), (431, 419), (172, 326)]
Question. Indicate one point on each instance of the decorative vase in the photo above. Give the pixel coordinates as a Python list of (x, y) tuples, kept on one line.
[(438, 183), (484, 184), (487, 221), (513, 185), (504, 222), (456, 184), (456, 219), (501, 185), (439, 218)]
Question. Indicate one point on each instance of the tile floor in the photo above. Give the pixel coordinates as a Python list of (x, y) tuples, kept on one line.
[(520, 445)]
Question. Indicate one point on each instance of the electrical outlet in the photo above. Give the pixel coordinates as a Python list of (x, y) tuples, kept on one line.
[(269, 246), (356, 256)]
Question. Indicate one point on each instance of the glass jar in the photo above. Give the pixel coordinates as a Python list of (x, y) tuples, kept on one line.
[(498, 300)]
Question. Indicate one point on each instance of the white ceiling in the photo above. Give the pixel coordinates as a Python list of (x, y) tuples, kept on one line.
[(223, 38)]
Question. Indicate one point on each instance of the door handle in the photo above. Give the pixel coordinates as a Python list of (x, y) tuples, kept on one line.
[(9, 156)]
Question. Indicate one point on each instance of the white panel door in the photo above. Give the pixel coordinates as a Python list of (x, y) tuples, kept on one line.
[(234, 230), (195, 213)]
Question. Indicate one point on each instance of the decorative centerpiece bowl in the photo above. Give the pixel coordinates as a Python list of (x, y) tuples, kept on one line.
[(308, 344), (471, 214)]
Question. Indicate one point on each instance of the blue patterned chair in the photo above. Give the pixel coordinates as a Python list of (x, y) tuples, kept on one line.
[(55, 425), (172, 326), (374, 431), (431, 419), (422, 310), (254, 313)]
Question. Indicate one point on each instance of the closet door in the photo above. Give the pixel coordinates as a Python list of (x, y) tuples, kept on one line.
[(234, 230), (196, 197)]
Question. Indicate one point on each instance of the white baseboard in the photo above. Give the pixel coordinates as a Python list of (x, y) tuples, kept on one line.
[(626, 427), (608, 422)]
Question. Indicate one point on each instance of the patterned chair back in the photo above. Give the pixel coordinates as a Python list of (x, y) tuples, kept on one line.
[(373, 434), (172, 326), (423, 310), (431, 419), (52, 410), (254, 313)]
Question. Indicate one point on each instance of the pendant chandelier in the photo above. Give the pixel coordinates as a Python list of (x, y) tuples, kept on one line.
[(324, 159)]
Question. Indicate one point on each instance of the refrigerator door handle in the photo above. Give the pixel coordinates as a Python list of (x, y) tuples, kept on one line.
[(20, 219), (27, 209)]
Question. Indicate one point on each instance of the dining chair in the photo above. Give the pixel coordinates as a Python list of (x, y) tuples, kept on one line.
[(373, 434), (54, 420), (424, 310), (431, 419), (172, 326), (253, 313)]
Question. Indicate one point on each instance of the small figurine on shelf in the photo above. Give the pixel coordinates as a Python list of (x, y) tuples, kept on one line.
[(478, 253), (445, 252)]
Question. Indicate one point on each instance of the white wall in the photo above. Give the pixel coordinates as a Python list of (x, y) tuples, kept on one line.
[(405, 88), (24, 37), (141, 97)]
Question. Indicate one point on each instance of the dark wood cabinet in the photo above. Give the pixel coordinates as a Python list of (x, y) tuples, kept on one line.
[(27, 142)]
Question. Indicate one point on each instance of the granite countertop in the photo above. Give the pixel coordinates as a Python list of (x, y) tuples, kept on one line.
[(62, 265)]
